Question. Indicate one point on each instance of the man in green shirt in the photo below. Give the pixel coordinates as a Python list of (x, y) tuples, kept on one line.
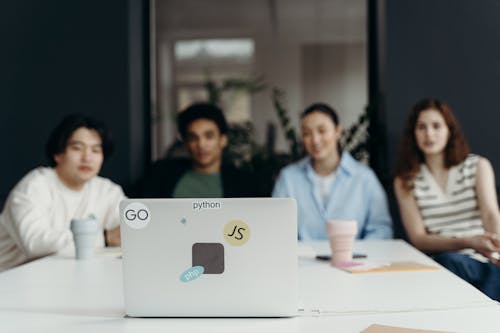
[(203, 129)]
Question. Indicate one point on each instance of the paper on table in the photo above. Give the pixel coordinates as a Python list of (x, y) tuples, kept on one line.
[(375, 328), (378, 267)]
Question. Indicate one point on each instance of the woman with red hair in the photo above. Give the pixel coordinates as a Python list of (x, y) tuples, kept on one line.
[(447, 197)]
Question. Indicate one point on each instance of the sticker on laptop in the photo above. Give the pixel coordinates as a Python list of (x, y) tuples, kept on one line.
[(207, 258), (236, 233), (210, 256), (192, 273), (136, 215)]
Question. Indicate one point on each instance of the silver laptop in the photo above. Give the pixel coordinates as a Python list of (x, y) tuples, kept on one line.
[(209, 257)]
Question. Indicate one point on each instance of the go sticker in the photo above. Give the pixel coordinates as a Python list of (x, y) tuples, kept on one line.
[(136, 215), (236, 233), (192, 273)]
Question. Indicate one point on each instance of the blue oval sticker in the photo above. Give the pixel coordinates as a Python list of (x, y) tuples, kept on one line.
[(192, 273)]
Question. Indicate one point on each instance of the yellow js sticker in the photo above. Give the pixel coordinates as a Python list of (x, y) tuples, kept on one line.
[(236, 233)]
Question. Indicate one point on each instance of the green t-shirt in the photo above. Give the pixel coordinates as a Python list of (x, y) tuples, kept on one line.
[(199, 185)]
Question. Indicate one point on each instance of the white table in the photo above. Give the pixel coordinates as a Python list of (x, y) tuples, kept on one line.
[(335, 291), (58, 294)]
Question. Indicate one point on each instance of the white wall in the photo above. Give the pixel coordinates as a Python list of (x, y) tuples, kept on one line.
[(313, 50), (281, 65), (336, 74)]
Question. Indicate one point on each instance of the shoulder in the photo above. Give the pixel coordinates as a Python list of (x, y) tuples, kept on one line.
[(400, 189), (483, 164), (471, 165), (40, 174), (482, 161), (37, 187), (296, 169), (413, 185), (292, 179), (40, 177), (397, 183), (356, 168), (473, 160)]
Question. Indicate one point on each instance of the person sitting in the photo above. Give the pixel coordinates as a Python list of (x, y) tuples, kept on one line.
[(36, 218), (203, 129), (447, 197), (329, 184)]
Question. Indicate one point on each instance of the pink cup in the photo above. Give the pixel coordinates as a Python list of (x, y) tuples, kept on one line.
[(341, 234)]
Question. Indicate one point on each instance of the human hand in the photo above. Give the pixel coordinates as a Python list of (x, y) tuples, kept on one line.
[(495, 255), (113, 237), (495, 258), (488, 245)]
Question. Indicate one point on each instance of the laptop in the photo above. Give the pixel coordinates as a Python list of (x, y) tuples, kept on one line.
[(210, 257)]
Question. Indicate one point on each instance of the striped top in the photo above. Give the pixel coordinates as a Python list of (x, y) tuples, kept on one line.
[(453, 212)]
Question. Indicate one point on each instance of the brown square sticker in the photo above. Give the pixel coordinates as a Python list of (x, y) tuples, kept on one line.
[(210, 256)]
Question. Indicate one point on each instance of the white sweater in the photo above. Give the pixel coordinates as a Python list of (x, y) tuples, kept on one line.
[(36, 217)]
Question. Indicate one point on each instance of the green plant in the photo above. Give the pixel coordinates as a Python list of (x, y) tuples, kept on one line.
[(355, 138), (242, 145), (278, 97), (242, 149)]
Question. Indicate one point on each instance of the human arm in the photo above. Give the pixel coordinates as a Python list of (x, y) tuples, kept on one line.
[(487, 197), (282, 189), (33, 223), (488, 204), (421, 239), (113, 237), (111, 223)]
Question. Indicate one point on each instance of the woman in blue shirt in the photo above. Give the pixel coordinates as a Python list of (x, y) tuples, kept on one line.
[(330, 184)]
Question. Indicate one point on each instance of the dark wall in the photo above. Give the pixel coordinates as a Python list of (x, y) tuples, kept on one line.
[(60, 57), (447, 49)]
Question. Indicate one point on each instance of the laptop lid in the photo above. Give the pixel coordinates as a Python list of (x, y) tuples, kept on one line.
[(210, 257)]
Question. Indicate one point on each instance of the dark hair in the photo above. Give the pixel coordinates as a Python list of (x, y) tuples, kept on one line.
[(324, 108), (201, 111), (410, 157), (58, 139)]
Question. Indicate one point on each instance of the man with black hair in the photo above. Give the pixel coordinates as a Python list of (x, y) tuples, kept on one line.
[(36, 217), (203, 129)]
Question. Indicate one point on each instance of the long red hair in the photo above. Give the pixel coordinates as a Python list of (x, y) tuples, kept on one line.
[(410, 156)]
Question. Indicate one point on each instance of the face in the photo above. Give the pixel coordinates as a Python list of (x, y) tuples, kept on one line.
[(431, 132), (82, 159), (320, 135), (205, 144)]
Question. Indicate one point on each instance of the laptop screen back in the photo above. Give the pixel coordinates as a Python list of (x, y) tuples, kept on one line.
[(209, 257)]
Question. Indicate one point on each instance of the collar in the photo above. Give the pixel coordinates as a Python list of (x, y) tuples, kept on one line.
[(346, 166)]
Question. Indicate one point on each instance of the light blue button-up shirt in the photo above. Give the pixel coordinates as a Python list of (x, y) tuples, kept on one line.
[(356, 194)]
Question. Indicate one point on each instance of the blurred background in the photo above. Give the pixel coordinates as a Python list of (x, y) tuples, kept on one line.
[(135, 64)]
